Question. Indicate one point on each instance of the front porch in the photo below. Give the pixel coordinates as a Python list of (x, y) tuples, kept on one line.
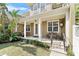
[(41, 29), (40, 25)]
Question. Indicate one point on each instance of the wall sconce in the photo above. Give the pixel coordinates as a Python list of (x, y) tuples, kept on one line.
[(61, 24)]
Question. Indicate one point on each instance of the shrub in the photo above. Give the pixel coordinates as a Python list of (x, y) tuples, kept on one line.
[(69, 51), (14, 36), (18, 33), (37, 43), (4, 38), (8, 37)]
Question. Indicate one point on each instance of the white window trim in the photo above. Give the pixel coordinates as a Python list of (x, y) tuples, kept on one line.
[(52, 29), (30, 28)]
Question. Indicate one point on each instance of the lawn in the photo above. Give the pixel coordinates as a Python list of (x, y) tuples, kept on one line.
[(22, 49)]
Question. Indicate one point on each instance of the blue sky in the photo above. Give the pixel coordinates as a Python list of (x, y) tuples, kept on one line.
[(23, 7)]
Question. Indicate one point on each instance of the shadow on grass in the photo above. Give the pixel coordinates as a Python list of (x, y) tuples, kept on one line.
[(30, 49), (5, 45)]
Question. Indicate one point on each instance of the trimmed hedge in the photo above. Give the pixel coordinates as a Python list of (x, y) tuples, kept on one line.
[(37, 43)]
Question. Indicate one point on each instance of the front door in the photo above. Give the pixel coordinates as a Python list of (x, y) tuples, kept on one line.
[(36, 30)]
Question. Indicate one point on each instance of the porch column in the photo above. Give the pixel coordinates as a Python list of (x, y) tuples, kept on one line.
[(39, 29), (25, 29), (70, 21), (67, 27)]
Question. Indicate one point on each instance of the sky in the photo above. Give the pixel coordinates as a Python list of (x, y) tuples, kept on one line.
[(22, 7)]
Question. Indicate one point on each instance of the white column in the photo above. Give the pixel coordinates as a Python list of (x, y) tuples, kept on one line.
[(25, 29), (67, 28), (39, 30)]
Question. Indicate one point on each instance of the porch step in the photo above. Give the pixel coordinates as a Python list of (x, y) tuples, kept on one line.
[(58, 47), (58, 44)]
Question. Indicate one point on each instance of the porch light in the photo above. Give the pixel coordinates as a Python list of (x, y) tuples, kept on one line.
[(61, 24)]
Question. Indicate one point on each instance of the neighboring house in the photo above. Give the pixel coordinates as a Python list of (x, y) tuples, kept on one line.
[(44, 18)]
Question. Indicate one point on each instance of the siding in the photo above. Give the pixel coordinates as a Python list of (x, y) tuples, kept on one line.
[(20, 28), (44, 27)]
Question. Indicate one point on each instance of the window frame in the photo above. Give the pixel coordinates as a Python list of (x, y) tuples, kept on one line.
[(53, 26), (42, 6), (27, 27)]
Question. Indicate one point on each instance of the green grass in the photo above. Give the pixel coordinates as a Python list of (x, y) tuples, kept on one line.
[(22, 49)]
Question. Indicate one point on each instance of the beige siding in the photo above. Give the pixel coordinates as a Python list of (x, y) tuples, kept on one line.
[(44, 28), (20, 28), (32, 29)]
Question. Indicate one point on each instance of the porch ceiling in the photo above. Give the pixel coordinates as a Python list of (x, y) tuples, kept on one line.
[(53, 17)]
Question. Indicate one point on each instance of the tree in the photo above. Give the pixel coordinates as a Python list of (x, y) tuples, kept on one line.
[(13, 23), (3, 16)]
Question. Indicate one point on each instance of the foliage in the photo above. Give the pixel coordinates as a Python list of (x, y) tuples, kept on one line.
[(6, 26), (77, 13), (3, 16), (4, 38), (37, 43), (0, 27), (14, 36), (69, 51), (13, 23), (9, 37)]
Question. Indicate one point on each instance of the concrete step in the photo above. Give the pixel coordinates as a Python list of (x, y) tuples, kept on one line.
[(59, 47), (58, 43)]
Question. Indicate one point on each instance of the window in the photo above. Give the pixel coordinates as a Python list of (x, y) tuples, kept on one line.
[(36, 6), (27, 28), (42, 6), (53, 26), (50, 26)]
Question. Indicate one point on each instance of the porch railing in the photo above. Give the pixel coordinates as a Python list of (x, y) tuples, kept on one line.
[(56, 36)]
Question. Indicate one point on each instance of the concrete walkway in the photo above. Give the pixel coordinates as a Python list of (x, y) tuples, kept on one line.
[(54, 53), (57, 53)]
